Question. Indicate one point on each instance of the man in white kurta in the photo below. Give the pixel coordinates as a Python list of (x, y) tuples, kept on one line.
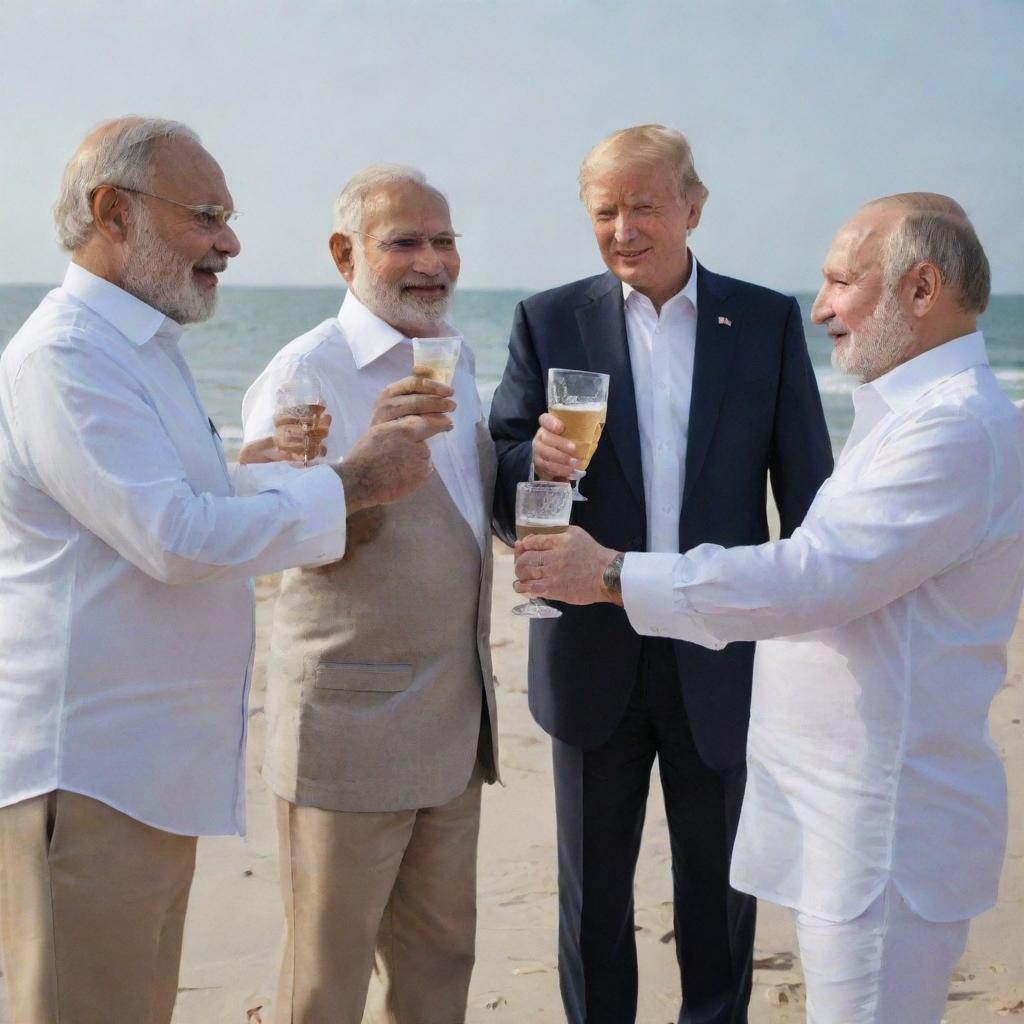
[(876, 803), (126, 606)]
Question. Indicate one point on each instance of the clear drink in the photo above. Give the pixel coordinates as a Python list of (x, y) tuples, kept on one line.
[(299, 407), (541, 526), (299, 430), (542, 506), (579, 398), (437, 357), (583, 426)]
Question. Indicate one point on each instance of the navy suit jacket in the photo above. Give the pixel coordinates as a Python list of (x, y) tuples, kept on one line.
[(755, 412)]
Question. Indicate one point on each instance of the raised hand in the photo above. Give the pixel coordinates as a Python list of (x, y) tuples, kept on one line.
[(552, 453)]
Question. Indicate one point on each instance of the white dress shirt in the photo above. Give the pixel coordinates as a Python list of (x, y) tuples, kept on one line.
[(356, 355), (869, 757), (661, 350), (126, 608)]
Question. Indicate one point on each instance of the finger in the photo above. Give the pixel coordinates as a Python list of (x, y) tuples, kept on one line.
[(417, 405), (539, 542), (549, 471), (419, 428), (554, 443), (418, 385), (551, 423)]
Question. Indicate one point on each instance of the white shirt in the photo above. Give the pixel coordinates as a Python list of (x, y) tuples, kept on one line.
[(126, 608), (869, 757), (356, 355), (661, 350)]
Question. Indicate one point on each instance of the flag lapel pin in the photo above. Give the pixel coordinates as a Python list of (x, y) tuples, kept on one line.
[(724, 321)]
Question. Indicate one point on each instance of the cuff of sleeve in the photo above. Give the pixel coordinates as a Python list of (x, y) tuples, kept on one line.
[(654, 606), (321, 496), (647, 592)]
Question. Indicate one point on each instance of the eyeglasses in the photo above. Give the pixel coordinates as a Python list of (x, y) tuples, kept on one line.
[(414, 243), (209, 216)]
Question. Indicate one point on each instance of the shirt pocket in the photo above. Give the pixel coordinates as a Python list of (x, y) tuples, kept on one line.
[(362, 677)]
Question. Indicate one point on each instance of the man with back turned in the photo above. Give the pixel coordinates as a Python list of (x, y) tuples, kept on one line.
[(711, 394)]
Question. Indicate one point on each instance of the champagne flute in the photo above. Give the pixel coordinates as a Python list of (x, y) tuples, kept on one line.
[(438, 356), (542, 506), (579, 399), (299, 405)]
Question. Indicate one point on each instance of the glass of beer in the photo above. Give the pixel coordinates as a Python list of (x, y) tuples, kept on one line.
[(435, 358), (579, 399), (299, 404), (542, 506)]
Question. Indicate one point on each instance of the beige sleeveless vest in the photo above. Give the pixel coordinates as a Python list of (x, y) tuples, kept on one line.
[(379, 690)]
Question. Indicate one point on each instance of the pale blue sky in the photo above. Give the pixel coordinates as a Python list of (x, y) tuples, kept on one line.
[(797, 111)]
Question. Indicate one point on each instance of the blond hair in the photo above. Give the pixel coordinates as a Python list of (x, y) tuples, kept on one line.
[(648, 145)]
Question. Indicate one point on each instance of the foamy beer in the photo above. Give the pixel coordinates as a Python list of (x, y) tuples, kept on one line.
[(542, 506), (579, 399), (299, 406), (437, 356)]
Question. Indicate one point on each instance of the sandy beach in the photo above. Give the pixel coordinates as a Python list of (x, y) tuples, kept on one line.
[(235, 919)]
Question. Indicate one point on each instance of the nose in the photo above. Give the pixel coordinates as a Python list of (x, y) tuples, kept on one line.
[(227, 241), (427, 260), (822, 308), (624, 229)]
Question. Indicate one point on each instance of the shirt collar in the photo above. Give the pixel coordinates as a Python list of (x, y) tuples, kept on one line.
[(904, 384), (369, 337), (688, 291), (130, 316)]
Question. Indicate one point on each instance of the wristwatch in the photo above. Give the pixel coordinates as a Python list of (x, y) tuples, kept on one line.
[(612, 575)]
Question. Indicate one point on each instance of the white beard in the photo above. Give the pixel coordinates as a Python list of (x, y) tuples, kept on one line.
[(162, 279), (394, 306), (879, 345)]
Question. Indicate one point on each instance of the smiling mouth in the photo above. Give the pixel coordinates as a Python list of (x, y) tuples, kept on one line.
[(206, 275), (426, 289), (632, 254)]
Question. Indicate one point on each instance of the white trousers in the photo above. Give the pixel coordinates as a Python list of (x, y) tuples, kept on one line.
[(887, 966)]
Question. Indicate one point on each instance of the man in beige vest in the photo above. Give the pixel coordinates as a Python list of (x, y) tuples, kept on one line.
[(380, 706)]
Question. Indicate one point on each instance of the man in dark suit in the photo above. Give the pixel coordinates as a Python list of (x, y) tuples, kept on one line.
[(711, 393)]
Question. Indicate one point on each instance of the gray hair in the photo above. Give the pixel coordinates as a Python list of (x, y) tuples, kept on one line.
[(121, 155), (646, 144), (350, 206), (935, 229)]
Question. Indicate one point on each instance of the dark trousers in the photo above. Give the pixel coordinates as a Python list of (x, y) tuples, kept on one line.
[(601, 798)]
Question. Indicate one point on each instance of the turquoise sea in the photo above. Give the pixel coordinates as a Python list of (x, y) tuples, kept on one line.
[(252, 323)]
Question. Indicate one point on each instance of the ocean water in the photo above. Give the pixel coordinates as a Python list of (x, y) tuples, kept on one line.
[(251, 324)]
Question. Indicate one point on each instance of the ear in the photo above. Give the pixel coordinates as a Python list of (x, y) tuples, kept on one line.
[(110, 213), (693, 216), (341, 252), (924, 282)]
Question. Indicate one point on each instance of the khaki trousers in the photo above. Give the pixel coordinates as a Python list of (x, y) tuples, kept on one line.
[(92, 908), (402, 883)]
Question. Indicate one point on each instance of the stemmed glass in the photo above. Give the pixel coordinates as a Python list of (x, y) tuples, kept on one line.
[(299, 404), (438, 356), (579, 399), (542, 506)]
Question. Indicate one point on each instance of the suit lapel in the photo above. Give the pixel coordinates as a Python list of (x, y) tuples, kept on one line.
[(718, 331), (602, 326)]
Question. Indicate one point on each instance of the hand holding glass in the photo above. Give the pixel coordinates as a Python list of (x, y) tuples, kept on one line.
[(542, 506), (579, 399), (437, 356), (299, 407)]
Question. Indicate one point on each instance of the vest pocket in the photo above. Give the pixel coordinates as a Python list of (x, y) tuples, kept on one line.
[(362, 676)]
